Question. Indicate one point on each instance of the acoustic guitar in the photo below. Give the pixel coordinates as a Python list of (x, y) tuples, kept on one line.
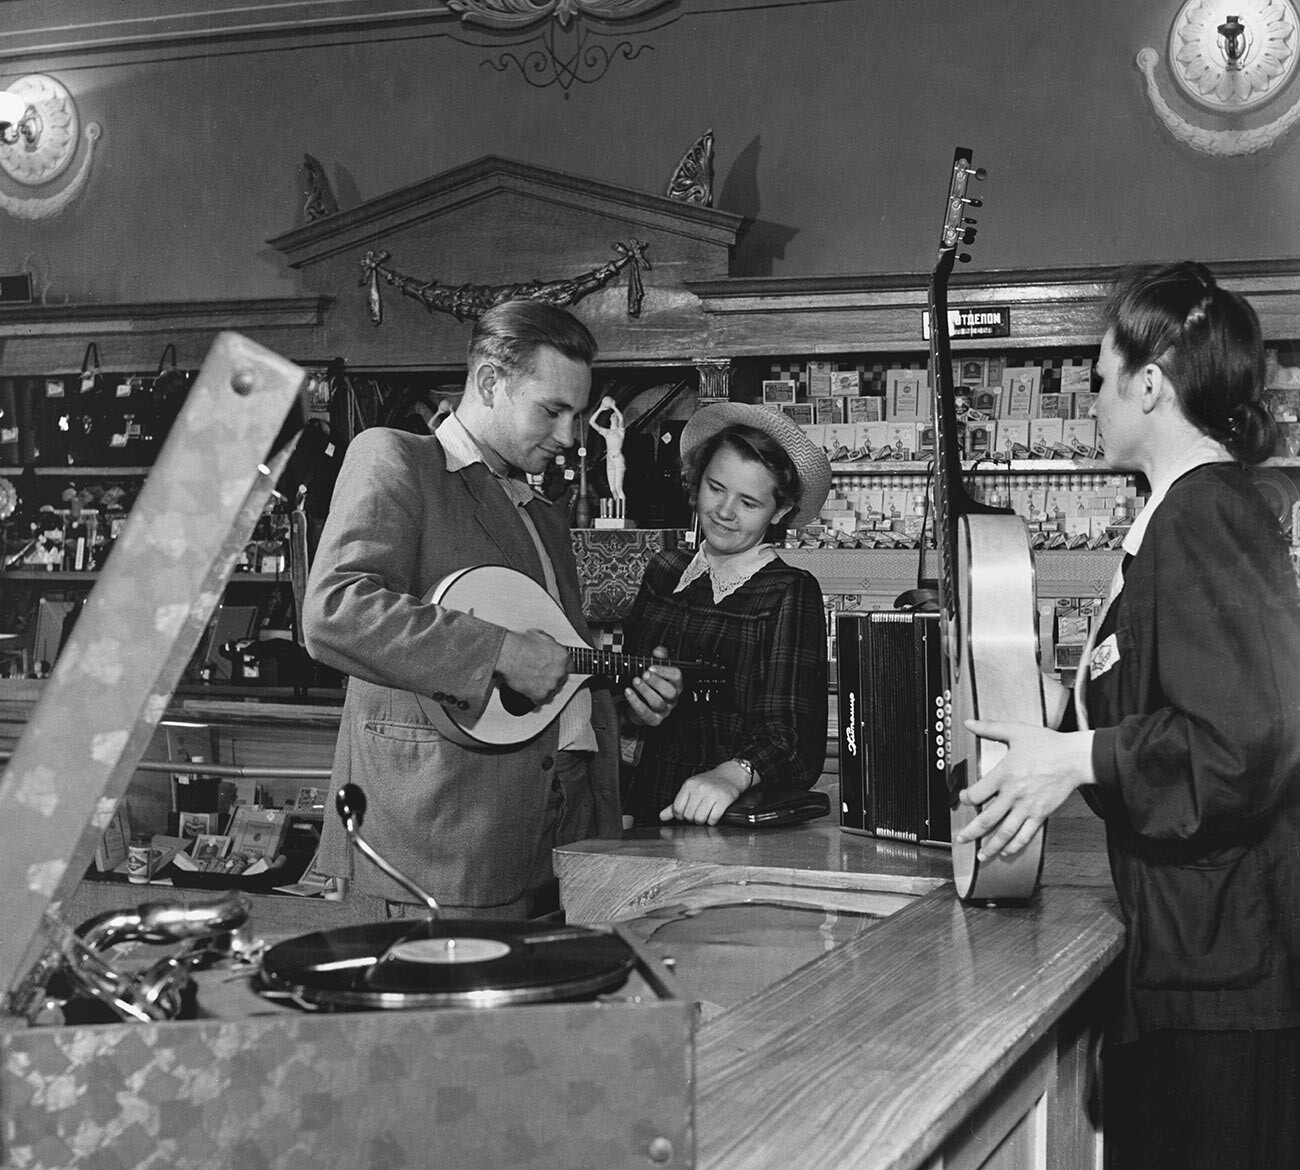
[(509, 598), (990, 664)]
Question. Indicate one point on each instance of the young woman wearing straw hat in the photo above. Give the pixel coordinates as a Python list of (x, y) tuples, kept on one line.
[(751, 474)]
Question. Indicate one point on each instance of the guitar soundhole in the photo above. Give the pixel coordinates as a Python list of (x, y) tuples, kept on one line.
[(514, 702)]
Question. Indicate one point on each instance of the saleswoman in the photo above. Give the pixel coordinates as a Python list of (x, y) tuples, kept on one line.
[(1188, 743), (750, 474)]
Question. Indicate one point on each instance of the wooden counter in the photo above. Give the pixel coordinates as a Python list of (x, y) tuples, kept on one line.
[(943, 1035)]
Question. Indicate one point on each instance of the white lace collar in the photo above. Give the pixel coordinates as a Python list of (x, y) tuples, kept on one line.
[(728, 576)]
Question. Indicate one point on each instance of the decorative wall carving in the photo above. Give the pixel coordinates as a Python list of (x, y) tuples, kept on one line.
[(516, 14), (468, 302), (1229, 64), (560, 42), (692, 181)]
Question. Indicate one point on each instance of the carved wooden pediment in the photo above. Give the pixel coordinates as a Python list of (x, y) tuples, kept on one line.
[(495, 222)]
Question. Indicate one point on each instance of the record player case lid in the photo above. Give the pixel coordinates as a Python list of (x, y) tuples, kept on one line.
[(141, 622)]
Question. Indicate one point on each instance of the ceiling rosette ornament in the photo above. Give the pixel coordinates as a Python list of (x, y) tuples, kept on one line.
[(1229, 63), (516, 14), (562, 42)]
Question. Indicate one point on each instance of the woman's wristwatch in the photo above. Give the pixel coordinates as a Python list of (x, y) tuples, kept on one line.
[(751, 779)]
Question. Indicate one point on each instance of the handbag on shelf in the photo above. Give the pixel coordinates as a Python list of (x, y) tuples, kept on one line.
[(170, 386), (86, 440)]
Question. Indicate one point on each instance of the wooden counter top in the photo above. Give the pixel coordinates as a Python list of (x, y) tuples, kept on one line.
[(941, 1033)]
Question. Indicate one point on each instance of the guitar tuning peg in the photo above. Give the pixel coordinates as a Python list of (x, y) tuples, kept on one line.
[(969, 220), (963, 257), (971, 201), (968, 236), (981, 174)]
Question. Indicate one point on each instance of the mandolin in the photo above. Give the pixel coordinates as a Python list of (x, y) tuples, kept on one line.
[(509, 598), (990, 664)]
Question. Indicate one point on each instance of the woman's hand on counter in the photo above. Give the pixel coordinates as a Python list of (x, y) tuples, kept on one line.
[(705, 797)]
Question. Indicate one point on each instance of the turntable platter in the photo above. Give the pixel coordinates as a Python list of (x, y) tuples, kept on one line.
[(406, 963)]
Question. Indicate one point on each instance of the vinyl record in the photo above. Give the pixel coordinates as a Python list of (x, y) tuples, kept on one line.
[(410, 963)]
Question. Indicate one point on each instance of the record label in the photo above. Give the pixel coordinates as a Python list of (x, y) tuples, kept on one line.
[(454, 949)]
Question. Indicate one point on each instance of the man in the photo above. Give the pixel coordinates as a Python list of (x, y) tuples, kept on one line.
[(473, 826)]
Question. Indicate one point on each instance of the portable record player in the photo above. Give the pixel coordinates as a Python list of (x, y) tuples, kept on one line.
[(414, 1042)]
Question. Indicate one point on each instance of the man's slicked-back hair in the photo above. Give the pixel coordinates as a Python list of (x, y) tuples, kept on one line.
[(510, 334)]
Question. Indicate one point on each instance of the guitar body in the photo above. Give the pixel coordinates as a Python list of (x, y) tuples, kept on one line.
[(509, 598), (987, 599), (993, 674)]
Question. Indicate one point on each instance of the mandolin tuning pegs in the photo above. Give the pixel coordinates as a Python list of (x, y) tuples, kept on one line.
[(981, 174)]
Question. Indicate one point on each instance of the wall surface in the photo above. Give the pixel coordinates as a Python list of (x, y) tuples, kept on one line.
[(835, 122)]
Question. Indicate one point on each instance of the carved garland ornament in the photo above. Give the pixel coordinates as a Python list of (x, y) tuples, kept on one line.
[(1228, 64), (468, 302)]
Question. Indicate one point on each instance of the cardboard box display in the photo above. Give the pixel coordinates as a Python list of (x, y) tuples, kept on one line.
[(1055, 405), (905, 394), (1080, 434), (864, 409), (819, 379), (799, 412), (1076, 378), (1083, 405), (978, 439), (845, 383), (872, 437), (778, 391), (902, 438), (830, 410), (1044, 435), (838, 443), (1021, 386), (1012, 437)]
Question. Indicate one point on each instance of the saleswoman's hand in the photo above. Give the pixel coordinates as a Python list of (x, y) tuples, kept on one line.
[(1039, 771), (705, 797), (654, 692)]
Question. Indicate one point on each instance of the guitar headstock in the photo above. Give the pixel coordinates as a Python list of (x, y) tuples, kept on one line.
[(958, 227)]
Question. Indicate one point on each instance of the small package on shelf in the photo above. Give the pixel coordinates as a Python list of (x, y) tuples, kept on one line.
[(819, 379), (1076, 377), (846, 383), (830, 410), (865, 408)]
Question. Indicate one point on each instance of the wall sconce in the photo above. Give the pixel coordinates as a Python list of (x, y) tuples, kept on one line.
[(1233, 42), (1230, 56), (17, 119), (39, 132), (42, 136)]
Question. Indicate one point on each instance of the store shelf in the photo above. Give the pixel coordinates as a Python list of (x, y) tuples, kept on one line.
[(888, 572)]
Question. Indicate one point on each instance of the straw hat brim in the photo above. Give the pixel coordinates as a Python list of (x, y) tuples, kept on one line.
[(809, 459)]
